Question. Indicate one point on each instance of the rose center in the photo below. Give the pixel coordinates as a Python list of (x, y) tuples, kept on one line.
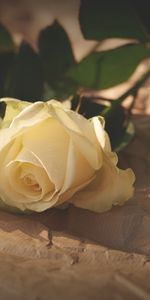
[(30, 180)]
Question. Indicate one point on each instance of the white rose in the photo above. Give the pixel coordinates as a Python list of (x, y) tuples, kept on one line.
[(50, 155)]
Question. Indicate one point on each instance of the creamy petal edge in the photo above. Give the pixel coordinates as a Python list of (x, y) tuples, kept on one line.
[(111, 186)]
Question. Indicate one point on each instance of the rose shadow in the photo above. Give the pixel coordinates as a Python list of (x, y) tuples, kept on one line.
[(124, 228)]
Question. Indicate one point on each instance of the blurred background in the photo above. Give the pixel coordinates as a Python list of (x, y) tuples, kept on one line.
[(24, 19)]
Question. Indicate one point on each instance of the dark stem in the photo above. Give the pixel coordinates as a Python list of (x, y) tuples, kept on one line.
[(132, 91), (99, 98)]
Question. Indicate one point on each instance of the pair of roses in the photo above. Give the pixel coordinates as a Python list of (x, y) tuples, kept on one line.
[(51, 155)]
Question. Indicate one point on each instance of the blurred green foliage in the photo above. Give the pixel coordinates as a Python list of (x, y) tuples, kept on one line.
[(52, 71)]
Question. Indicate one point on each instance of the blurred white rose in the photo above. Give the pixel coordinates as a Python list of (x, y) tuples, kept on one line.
[(50, 155)]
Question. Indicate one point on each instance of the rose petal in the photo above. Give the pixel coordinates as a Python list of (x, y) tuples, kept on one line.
[(18, 175), (46, 139), (101, 134), (30, 116), (49, 143), (111, 186), (81, 133), (78, 171)]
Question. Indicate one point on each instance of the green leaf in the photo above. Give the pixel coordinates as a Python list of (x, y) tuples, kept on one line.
[(110, 19), (60, 90), (6, 42), (48, 92), (6, 59), (142, 8), (55, 52), (2, 109), (26, 77), (116, 123), (126, 137), (119, 128), (6, 56), (102, 70)]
